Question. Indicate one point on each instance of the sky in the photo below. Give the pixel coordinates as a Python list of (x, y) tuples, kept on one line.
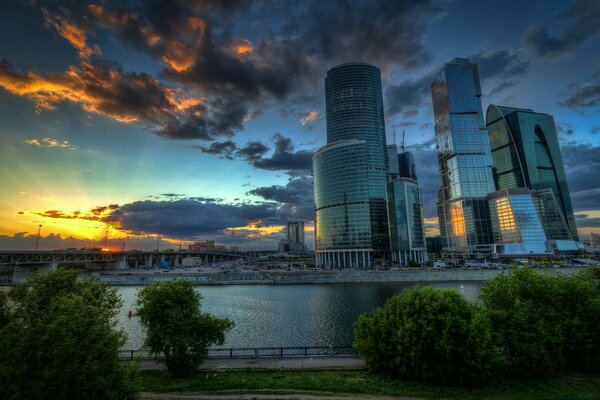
[(197, 120)]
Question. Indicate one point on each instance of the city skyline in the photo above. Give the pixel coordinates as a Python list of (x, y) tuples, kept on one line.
[(177, 126)]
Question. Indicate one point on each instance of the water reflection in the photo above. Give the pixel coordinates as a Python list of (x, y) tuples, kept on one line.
[(288, 315)]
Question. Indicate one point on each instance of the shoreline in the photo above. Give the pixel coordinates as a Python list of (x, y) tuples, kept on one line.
[(311, 277)]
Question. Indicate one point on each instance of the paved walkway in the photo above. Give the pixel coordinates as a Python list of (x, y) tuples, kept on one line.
[(195, 396), (270, 363)]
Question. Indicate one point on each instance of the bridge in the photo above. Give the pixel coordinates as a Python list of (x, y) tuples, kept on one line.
[(15, 266)]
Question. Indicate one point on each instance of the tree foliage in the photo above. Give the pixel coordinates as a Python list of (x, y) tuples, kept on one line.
[(543, 323), (176, 327), (426, 334), (59, 341)]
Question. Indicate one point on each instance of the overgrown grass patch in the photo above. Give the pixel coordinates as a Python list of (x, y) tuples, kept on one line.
[(573, 386)]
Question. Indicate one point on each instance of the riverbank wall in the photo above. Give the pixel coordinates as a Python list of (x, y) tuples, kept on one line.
[(314, 277)]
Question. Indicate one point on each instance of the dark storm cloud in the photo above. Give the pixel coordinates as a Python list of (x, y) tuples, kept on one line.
[(185, 218), (582, 163), (498, 69), (582, 96), (295, 198), (582, 23), (283, 158), (224, 149)]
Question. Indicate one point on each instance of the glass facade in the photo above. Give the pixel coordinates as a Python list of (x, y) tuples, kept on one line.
[(526, 153), (405, 210), (516, 225), (464, 158), (351, 171), (406, 165)]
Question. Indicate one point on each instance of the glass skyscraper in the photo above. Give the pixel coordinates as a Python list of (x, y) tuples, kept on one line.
[(350, 172), (464, 158), (516, 224), (526, 153)]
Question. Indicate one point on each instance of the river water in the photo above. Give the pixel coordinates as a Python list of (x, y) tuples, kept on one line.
[(287, 315)]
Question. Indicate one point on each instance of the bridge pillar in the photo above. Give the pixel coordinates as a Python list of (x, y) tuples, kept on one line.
[(21, 272), (176, 261), (149, 261), (121, 263)]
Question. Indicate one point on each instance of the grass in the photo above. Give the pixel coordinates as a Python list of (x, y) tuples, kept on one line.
[(572, 386)]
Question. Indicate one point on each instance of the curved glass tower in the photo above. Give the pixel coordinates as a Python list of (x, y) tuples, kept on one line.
[(526, 153), (350, 172)]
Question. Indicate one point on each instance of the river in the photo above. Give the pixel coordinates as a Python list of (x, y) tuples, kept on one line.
[(287, 315)]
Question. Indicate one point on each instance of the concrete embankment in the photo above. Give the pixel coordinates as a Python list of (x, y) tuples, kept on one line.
[(311, 277)]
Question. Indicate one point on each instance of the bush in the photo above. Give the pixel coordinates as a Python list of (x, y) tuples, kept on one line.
[(176, 328), (59, 342), (427, 334), (543, 323)]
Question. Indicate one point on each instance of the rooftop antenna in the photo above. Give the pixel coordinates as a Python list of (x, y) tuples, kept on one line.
[(403, 137), (394, 137)]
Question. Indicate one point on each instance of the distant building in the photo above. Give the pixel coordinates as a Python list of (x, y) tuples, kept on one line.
[(392, 154), (406, 165), (464, 159), (526, 153), (294, 241), (594, 239), (351, 171), (515, 222), (208, 245)]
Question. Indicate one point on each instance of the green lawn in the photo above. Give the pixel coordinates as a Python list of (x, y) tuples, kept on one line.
[(569, 386)]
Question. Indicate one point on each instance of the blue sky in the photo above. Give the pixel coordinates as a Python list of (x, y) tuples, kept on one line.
[(196, 120)]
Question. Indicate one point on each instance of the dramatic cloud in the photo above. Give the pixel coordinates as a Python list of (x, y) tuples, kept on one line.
[(73, 33), (283, 158), (296, 198), (176, 217), (129, 97), (582, 23), (51, 142)]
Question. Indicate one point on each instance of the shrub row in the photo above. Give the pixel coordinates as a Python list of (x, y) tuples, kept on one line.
[(524, 323)]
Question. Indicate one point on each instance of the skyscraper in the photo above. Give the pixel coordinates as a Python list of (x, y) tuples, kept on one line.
[(464, 159), (350, 172), (295, 231), (526, 153), (516, 224)]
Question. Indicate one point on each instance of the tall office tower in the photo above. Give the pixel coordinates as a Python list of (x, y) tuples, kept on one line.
[(516, 225), (350, 172), (464, 159), (526, 153)]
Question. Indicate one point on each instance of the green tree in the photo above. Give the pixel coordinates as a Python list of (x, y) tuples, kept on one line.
[(176, 327), (59, 341), (542, 322), (427, 334)]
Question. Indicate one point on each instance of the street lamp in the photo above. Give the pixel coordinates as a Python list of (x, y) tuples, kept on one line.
[(37, 243)]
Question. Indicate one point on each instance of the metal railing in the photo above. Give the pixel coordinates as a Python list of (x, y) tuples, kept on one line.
[(254, 352)]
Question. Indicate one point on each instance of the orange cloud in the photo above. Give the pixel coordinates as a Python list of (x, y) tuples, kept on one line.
[(100, 89), (242, 47), (73, 33), (51, 142), (309, 117)]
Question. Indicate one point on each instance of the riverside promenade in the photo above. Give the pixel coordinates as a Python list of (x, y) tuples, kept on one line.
[(328, 363), (215, 276)]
